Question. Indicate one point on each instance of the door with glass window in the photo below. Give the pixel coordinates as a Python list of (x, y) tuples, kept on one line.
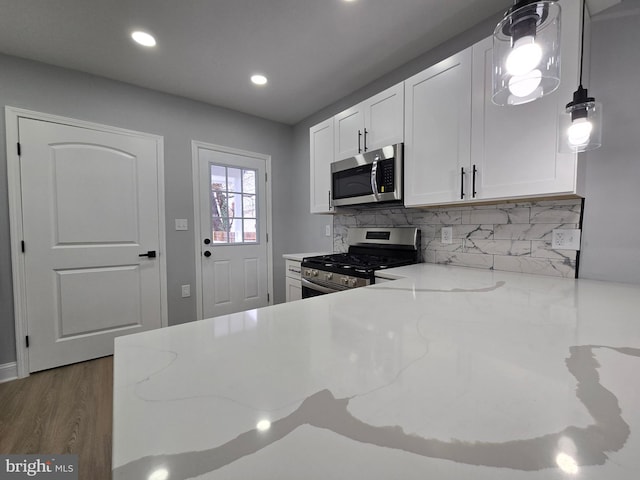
[(233, 243)]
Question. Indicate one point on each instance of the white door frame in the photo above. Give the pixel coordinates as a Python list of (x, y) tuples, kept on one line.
[(195, 167), (12, 116)]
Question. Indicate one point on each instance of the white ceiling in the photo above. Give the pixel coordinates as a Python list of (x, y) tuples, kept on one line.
[(314, 52)]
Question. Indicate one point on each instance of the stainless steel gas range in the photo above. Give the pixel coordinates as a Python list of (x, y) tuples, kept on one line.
[(370, 249)]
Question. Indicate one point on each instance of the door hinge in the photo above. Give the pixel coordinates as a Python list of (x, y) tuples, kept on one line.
[(267, 237), (268, 299), (265, 176), (27, 340), (19, 149), (22, 245)]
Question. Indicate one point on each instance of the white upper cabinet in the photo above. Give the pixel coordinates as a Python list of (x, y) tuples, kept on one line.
[(515, 148), (321, 156), (438, 132), (374, 123), (459, 146)]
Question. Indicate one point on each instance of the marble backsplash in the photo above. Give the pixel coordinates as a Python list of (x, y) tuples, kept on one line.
[(514, 237)]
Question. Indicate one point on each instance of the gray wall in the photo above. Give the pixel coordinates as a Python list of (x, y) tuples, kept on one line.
[(611, 241), (57, 91)]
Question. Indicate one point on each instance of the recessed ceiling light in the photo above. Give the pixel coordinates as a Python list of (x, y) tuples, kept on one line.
[(143, 38), (259, 79)]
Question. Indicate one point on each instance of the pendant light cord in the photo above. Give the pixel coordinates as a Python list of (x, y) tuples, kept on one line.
[(584, 8)]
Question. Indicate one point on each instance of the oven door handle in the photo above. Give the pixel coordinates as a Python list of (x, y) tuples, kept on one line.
[(374, 177), (315, 286)]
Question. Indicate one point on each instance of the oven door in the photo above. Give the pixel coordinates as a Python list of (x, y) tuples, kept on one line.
[(310, 289)]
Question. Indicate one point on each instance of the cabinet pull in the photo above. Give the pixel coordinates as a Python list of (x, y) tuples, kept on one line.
[(473, 192), (359, 136), (365, 139), (329, 197), (461, 183)]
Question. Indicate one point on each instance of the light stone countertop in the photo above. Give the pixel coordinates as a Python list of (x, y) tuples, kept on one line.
[(449, 373), (299, 256)]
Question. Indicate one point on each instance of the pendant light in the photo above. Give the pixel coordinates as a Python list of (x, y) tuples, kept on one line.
[(526, 52), (580, 124)]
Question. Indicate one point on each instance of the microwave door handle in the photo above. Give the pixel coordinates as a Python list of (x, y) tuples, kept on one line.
[(374, 178)]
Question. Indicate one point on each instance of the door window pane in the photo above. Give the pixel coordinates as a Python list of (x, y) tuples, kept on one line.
[(234, 211), (249, 206), (219, 176), (235, 179), (249, 181)]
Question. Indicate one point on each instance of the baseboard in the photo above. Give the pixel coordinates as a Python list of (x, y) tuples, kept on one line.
[(8, 371)]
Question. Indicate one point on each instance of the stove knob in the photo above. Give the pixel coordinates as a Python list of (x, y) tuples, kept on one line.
[(307, 273), (314, 273), (345, 280), (353, 282), (329, 276)]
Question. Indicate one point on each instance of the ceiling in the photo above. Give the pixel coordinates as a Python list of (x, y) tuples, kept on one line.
[(314, 52)]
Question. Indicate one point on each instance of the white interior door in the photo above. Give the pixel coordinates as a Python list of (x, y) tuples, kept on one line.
[(90, 208), (233, 230)]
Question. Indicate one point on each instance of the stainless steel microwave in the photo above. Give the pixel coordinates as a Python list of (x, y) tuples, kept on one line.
[(370, 177)]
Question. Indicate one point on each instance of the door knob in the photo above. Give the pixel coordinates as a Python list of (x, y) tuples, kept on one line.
[(150, 254), (207, 254)]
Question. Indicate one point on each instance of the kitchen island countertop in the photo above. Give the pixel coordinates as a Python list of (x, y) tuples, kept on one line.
[(448, 373), (298, 257)]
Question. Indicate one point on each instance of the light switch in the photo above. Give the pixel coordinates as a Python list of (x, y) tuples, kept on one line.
[(327, 230), (182, 224)]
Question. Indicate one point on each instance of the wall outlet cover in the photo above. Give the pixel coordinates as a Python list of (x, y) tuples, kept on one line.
[(186, 291), (327, 230), (565, 239), (447, 235)]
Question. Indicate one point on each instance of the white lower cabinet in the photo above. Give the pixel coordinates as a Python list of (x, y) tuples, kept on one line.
[(460, 147), (292, 281)]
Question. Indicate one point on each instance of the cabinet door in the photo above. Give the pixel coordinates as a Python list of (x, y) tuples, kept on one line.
[(293, 289), (515, 147), (349, 129), (321, 156), (384, 118), (438, 132)]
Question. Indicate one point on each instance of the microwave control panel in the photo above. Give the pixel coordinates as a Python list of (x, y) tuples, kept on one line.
[(386, 176)]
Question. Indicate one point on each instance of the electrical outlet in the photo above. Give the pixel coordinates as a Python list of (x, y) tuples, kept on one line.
[(186, 291), (565, 239), (182, 224), (447, 235), (327, 230)]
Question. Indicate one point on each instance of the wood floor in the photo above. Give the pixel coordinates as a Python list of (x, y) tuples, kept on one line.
[(65, 410)]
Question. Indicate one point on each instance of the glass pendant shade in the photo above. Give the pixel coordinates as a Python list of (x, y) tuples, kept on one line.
[(581, 124), (526, 53)]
